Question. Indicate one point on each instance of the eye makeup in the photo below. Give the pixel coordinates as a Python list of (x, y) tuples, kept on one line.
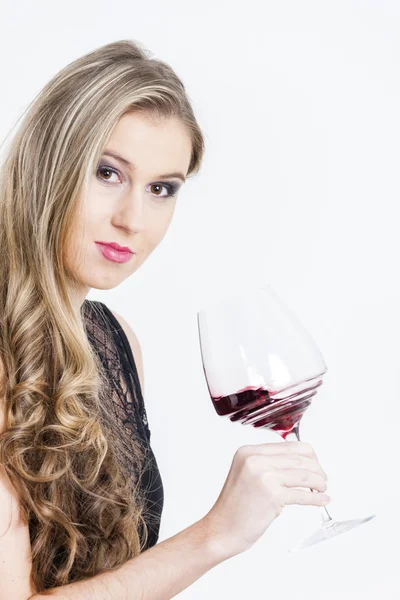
[(171, 188)]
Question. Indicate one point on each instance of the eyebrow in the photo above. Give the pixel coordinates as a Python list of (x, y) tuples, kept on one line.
[(132, 167)]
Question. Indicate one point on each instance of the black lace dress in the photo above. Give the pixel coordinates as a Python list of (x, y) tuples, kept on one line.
[(127, 405)]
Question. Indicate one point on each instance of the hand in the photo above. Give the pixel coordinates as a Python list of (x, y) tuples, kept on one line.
[(263, 479)]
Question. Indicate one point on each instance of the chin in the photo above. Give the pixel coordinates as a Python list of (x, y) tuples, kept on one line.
[(104, 283)]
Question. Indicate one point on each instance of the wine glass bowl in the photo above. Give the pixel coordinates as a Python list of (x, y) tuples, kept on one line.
[(261, 365)]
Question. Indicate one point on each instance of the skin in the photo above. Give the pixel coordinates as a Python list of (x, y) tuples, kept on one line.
[(131, 207)]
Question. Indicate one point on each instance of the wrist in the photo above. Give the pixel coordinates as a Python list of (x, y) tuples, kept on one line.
[(216, 544)]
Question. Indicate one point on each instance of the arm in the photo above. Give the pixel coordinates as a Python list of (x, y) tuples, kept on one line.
[(15, 548), (159, 573)]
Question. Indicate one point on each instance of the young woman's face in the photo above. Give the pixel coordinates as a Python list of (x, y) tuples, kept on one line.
[(129, 205)]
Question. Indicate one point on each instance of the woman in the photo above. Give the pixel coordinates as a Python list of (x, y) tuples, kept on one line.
[(99, 159)]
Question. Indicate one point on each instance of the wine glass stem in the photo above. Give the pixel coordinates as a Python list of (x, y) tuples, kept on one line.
[(326, 517)]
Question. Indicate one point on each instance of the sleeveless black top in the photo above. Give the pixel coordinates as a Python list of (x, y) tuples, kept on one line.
[(109, 340)]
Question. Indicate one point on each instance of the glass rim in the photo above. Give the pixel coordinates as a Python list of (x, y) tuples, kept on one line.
[(231, 296)]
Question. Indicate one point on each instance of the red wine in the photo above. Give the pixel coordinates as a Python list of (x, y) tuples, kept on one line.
[(280, 411)]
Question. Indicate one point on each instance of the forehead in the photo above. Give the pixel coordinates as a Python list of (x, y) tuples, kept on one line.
[(150, 144)]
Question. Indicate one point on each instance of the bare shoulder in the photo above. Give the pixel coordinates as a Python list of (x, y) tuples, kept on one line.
[(135, 346)]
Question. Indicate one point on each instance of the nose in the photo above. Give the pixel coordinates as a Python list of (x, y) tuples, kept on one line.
[(130, 213)]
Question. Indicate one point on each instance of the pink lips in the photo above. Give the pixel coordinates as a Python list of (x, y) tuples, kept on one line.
[(112, 252), (116, 246)]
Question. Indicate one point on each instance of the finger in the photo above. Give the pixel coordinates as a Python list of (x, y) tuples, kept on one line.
[(303, 448), (294, 496), (293, 461), (301, 478)]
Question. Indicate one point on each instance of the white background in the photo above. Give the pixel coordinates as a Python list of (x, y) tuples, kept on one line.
[(299, 103)]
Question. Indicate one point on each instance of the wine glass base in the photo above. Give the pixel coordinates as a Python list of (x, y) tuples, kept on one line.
[(329, 530)]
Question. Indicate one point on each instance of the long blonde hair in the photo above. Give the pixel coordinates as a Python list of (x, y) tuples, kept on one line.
[(57, 449)]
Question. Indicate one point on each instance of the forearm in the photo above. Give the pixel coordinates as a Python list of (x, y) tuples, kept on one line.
[(159, 573)]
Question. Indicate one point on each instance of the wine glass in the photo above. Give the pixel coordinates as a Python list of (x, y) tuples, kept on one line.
[(263, 368)]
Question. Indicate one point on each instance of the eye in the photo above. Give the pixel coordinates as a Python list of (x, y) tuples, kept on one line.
[(105, 174), (171, 189), (108, 172)]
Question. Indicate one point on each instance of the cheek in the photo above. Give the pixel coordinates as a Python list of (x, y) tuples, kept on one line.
[(160, 227), (73, 253), (75, 247)]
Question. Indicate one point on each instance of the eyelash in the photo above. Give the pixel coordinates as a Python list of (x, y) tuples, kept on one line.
[(171, 188)]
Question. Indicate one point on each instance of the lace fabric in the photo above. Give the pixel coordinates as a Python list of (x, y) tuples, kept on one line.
[(125, 401)]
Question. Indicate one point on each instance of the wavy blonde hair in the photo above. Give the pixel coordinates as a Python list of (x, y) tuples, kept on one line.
[(57, 449)]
